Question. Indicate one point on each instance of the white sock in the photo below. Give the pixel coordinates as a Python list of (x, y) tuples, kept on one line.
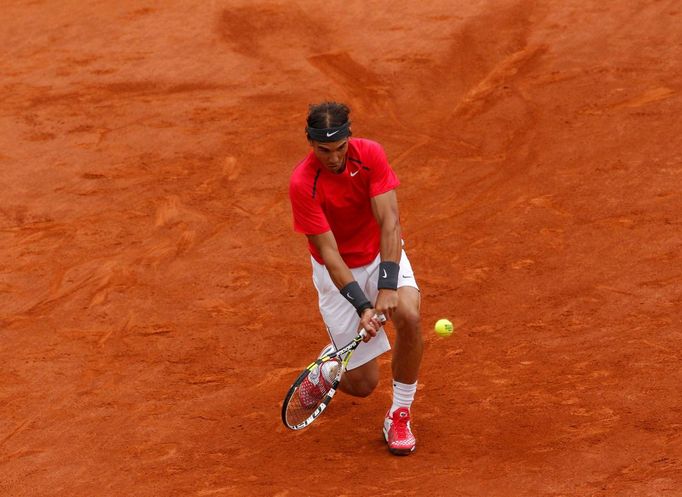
[(403, 395)]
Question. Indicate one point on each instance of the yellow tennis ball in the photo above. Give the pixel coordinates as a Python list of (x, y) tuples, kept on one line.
[(444, 328)]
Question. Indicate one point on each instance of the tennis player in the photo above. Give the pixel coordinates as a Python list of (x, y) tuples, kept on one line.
[(343, 199)]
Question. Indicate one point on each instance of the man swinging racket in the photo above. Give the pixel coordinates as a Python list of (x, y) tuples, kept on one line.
[(343, 199)]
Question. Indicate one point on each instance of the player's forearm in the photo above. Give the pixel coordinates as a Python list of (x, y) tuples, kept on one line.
[(345, 282), (389, 268), (337, 268), (391, 240), (385, 208), (341, 276)]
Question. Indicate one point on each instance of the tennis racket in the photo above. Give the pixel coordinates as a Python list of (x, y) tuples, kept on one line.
[(315, 387)]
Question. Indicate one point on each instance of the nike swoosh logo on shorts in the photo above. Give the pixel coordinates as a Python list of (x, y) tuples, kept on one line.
[(332, 134)]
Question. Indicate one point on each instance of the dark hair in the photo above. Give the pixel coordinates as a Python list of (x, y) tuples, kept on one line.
[(327, 115)]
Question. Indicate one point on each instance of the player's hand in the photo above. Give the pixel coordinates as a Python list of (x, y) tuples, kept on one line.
[(371, 323), (387, 302)]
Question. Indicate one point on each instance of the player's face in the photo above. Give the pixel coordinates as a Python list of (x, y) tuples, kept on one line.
[(332, 155)]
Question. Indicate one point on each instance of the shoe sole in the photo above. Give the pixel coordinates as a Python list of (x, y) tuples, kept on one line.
[(397, 452)]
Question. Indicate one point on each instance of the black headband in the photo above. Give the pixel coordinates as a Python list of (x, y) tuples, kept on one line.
[(329, 134)]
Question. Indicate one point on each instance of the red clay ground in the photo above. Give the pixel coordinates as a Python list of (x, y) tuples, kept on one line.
[(155, 303)]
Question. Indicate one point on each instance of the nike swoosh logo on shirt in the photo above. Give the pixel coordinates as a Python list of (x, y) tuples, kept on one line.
[(354, 173), (332, 134)]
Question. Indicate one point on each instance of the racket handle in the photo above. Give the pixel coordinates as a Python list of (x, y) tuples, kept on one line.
[(380, 317)]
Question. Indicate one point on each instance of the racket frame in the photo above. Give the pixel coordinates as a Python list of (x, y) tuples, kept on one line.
[(344, 354)]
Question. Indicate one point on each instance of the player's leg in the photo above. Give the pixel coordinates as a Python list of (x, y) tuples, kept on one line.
[(408, 345), (407, 354)]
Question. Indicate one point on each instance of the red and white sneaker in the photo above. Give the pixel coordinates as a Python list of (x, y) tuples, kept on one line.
[(398, 433), (318, 382)]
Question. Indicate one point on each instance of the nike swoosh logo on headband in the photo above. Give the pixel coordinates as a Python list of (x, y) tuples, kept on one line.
[(332, 134)]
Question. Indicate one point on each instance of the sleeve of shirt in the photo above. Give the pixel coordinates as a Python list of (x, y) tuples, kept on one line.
[(309, 218), (382, 177)]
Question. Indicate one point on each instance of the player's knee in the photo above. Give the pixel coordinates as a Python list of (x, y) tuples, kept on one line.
[(365, 387), (360, 383), (408, 324)]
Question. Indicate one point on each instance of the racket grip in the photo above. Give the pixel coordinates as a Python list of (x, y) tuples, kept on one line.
[(380, 317)]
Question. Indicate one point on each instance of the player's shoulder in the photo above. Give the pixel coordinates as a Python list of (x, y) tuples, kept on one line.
[(365, 145), (304, 172), (367, 152)]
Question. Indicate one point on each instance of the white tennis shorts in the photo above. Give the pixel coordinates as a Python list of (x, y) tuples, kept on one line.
[(341, 318)]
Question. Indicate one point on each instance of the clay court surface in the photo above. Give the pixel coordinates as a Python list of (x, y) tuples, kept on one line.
[(155, 303)]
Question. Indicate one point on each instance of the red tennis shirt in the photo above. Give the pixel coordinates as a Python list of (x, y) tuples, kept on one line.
[(323, 201)]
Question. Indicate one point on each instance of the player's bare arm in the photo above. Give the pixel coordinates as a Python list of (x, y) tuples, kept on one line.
[(341, 276), (385, 209)]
